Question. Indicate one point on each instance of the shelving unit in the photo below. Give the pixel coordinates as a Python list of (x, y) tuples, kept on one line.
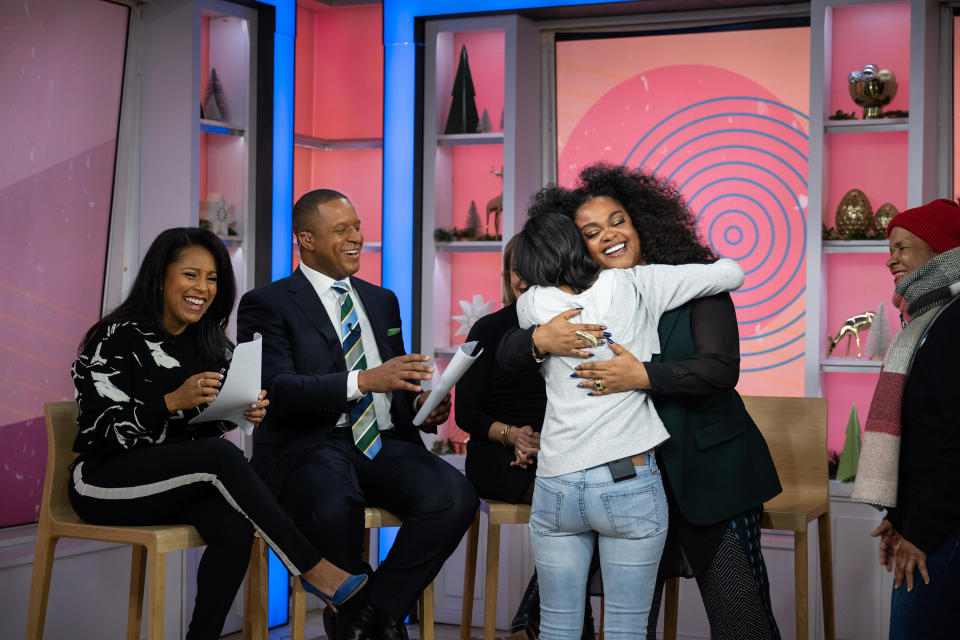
[(875, 125)]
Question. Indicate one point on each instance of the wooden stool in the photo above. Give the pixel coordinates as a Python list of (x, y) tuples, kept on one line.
[(59, 520), (796, 432), (498, 513)]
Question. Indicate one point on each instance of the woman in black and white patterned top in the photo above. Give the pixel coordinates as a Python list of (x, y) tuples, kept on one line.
[(144, 371)]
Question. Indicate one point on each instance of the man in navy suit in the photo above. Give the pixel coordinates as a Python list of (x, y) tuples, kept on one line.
[(339, 433)]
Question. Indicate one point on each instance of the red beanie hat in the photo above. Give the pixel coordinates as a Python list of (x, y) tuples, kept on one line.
[(936, 223)]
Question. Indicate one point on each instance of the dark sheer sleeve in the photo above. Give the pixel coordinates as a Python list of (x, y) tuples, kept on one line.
[(514, 353), (716, 367), (473, 385)]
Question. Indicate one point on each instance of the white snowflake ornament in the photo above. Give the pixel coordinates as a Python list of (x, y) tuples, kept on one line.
[(472, 311)]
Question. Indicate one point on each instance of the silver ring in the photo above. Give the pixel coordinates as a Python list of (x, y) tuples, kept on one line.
[(200, 383)]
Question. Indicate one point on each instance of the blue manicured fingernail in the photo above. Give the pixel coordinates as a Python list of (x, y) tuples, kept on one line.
[(589, 355), (606, 334), (589, 393), (574, 375), (579, 308), (610, 340)]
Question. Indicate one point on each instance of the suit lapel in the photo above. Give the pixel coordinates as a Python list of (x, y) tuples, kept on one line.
[(306, 298), (367, 294)]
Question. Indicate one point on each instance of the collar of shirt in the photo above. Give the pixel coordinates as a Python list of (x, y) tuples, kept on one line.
[(321, 282)]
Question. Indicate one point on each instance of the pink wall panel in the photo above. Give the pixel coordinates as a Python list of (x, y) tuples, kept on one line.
[(60, 116), (303, 73), (875, 163), (843, 390), (878, 34), (474, 181), (729, 128), (357, 175), (485, 51), (858, 282), (347, 95), (473, 273)]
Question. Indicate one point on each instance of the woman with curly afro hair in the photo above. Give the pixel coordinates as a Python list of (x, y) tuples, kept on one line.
[(717, 469)]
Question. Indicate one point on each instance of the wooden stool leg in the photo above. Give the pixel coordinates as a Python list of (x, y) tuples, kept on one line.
[(603, 607), (469, 578), (826, 573), (800, 582), (138, 575), (298, 613), (40, 585), (426, 613), (671, 608), (256, 600), (490, 588), (156, 593)]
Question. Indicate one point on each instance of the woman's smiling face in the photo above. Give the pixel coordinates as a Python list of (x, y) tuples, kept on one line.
[(609, 234)]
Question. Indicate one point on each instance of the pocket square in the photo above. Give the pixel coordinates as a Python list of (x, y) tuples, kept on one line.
[(392, 332)]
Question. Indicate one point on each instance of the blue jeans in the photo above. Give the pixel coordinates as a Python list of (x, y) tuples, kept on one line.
[(930, 611), (628, 519)]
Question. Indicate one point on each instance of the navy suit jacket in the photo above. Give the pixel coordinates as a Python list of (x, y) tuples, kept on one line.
[(304, 371)]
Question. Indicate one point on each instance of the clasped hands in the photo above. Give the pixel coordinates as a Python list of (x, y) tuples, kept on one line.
[(400, 374), (202, 388), (623, 372), (901, 556), (526, 445)]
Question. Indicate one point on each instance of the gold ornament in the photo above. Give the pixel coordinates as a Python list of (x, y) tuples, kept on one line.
[(872, 89), (882, 218), (853, 214), (851, 329)]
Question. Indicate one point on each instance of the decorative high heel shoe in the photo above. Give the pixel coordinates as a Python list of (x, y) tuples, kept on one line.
[(344, 592)]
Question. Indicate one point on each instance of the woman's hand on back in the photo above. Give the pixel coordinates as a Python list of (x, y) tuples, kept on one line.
[(623, 372), (557, 337), (200, 388)]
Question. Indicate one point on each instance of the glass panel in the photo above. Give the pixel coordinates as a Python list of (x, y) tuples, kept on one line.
[(62, 75)]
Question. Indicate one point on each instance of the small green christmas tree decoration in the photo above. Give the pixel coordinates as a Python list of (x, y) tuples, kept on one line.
[(485, 126), (463, 116), (472, 228), (850, 457)]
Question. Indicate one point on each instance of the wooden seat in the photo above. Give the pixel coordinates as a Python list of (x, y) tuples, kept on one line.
[(796, 432), (374, 518), (59, 520), (498, 513)]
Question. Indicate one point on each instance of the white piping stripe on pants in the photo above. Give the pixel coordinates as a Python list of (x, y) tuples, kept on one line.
[(153, 488)]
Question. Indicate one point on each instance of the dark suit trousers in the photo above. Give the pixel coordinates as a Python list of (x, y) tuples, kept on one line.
[(327, 493)]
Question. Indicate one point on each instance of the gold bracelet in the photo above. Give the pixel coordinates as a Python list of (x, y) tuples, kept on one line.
[(504, 433), (533, 347)]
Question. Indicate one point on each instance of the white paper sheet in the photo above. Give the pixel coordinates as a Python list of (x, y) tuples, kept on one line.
[(240, 389), (458, 366)]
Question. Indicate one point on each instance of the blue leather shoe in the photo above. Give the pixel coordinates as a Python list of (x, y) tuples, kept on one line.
[(347, 590)]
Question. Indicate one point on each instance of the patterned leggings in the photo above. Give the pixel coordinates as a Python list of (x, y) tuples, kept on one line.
[(734, 586)]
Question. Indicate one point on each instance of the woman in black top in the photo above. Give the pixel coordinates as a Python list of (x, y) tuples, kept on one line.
[(501, 410), (715, 486), (143, 372)]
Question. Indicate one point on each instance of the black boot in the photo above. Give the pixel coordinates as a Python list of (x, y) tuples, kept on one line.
[(527, 617)]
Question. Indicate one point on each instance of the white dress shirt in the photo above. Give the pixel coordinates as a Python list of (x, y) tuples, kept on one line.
[(330, 297)]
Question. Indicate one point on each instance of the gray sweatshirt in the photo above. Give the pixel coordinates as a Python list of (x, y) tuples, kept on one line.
[(581, 431)]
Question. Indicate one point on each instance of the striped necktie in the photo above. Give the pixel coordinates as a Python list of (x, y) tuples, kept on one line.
[(363, 419)]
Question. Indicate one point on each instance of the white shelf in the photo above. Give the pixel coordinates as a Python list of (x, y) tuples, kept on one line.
[(232, 241), (467, 246), (222, 128), (860, 126), (849, 365), (856, 246), (336, 144), (466, 139)]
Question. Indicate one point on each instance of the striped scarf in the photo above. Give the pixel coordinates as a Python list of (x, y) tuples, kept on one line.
[(920, 296)]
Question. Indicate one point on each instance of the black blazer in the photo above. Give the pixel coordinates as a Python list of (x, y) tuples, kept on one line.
[(304, 371)]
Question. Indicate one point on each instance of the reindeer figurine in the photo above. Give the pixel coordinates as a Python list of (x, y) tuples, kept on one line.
[(495, 206), (851, 329)]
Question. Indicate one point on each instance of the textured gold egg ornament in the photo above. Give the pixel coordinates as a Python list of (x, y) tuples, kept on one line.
[(854, 214), (882, 218)]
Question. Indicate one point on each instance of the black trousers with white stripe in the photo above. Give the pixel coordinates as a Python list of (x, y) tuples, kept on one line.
[(206, 483)]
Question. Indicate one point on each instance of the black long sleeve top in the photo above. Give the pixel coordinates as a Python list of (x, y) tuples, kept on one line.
[(488, 393), (928, 492), (716, 367), (121, 379)]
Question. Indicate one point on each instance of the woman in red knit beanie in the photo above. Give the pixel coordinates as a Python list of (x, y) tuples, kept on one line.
[(911, 448)]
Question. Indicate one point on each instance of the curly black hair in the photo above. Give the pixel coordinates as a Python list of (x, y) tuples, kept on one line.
[(666, 226)]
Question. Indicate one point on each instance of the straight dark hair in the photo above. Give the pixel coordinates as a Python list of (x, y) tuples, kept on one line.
[(144, 303), (549, 252)]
